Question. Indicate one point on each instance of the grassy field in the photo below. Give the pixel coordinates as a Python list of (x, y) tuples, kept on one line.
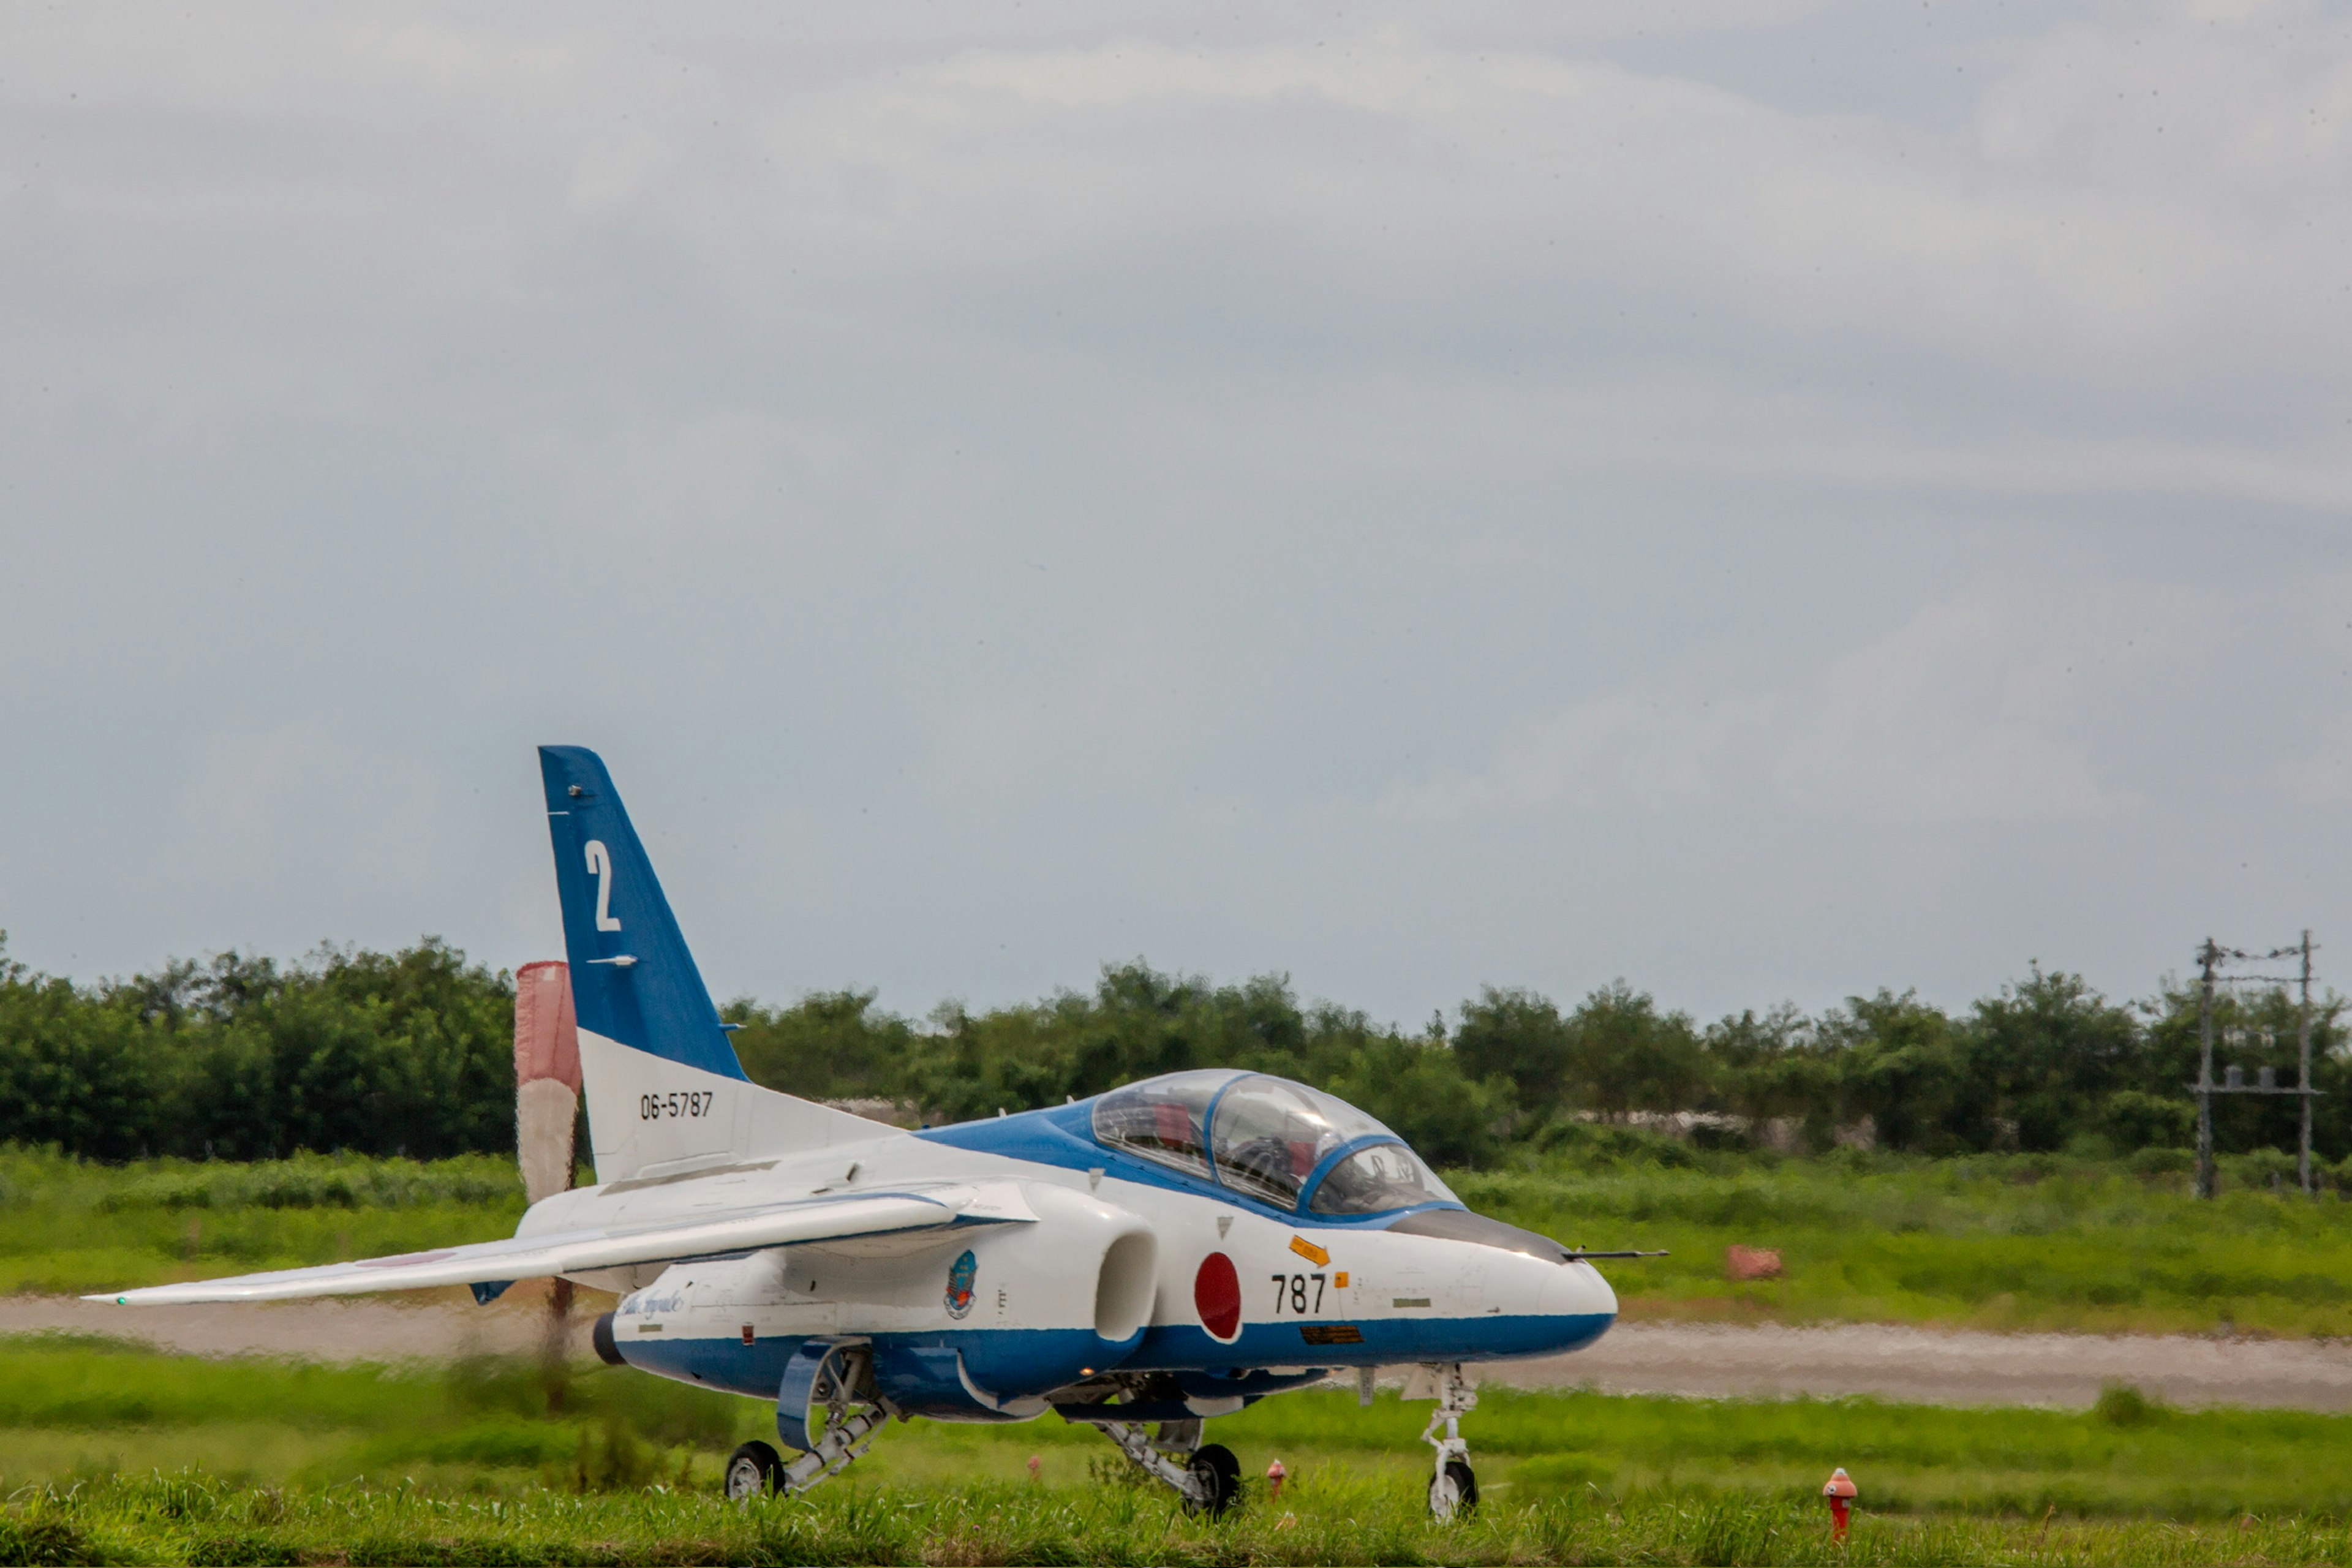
[(68, 1226), (1990, 1242), (2000, 1242), (1319, 1520), (113, 1454), (82, 1411)]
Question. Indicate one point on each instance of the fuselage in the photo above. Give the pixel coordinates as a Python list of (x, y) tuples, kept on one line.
[(1091, 1261)]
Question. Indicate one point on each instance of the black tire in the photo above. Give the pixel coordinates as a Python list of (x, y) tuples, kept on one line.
[(601, 1336), (1465, 1490), (1216, 1465), (751, 1470)]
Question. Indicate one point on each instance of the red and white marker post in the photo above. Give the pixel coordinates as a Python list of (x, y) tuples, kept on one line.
[(1840, 1491)]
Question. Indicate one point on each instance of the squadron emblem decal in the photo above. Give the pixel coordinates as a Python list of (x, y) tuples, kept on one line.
[(960, 1274)]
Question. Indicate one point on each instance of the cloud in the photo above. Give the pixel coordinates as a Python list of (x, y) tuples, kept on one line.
[(1041, 485), (1975, 709), (2129, 189), (262, 807), (1965, 712)]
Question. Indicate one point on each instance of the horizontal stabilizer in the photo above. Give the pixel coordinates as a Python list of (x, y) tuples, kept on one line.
[(578, 1251)]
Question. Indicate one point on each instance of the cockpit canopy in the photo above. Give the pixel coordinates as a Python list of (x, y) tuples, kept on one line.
[(1280, 1142)]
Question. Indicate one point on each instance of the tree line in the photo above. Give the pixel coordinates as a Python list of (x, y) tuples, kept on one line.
[(411, 1052)]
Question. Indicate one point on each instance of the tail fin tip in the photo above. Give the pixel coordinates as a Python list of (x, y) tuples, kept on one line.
[(633, 980)]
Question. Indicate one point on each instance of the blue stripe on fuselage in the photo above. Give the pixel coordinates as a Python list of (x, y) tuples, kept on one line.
[(1020, 1363), (756, 1369), (1007, 1362), (1169, 1347)]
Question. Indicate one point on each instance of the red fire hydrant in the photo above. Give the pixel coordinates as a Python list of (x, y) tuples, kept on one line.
[(1840, 1491), (1274, 1475)]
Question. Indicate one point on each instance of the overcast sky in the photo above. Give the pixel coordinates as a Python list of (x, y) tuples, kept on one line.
[(1766, 499)]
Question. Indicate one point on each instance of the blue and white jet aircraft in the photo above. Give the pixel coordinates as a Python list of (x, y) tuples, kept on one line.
[(1144, 1261)]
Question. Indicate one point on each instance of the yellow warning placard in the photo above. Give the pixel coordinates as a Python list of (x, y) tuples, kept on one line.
[(1309, 1251)]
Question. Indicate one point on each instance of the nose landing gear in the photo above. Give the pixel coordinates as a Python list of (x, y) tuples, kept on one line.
[(1453, 1488)]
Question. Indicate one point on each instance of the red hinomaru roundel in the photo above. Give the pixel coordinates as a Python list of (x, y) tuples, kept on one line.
[(1217, 1293)]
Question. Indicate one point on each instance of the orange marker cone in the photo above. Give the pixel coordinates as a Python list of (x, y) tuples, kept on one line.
[(1840, 1491)]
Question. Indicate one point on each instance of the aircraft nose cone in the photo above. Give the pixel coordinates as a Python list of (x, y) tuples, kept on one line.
[(1577, 1290)]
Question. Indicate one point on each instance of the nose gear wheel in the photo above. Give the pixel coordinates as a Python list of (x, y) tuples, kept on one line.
[(1455, 1493)]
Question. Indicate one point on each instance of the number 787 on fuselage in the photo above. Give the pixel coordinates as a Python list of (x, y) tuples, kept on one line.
[(1143, 1261)]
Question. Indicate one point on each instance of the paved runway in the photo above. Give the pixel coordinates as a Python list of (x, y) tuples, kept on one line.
[(1926, 1366)]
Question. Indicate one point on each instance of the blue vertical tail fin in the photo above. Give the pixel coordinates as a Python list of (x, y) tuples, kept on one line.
[(664, 1088), (633, 979)]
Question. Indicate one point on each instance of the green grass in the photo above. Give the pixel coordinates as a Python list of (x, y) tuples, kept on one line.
[(2015, 1241), (76, 1409), (119, 1453), (1318, 1520), (68, 1227)]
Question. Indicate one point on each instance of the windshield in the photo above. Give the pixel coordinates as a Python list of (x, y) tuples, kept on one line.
[(1270, 1136), (1375, 1180), (1270, 1133), (1161, 1119)]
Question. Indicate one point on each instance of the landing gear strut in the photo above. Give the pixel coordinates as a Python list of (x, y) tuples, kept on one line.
[(1207, 1477), (853, 1412), (1453, 1488)]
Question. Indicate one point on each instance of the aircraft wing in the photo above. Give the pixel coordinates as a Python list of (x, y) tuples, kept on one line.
[(573, 1251)]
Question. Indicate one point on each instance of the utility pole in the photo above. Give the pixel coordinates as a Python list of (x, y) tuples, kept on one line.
[(2210, 957), (2207, 956), (2302, 1055)]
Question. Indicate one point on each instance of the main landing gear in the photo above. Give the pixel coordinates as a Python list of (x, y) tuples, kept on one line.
[(1206, 1476), (1453, 1488), (757, 1467), (853, 1412)]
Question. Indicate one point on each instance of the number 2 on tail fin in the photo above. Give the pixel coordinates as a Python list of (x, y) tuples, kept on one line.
[(599, 866)]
